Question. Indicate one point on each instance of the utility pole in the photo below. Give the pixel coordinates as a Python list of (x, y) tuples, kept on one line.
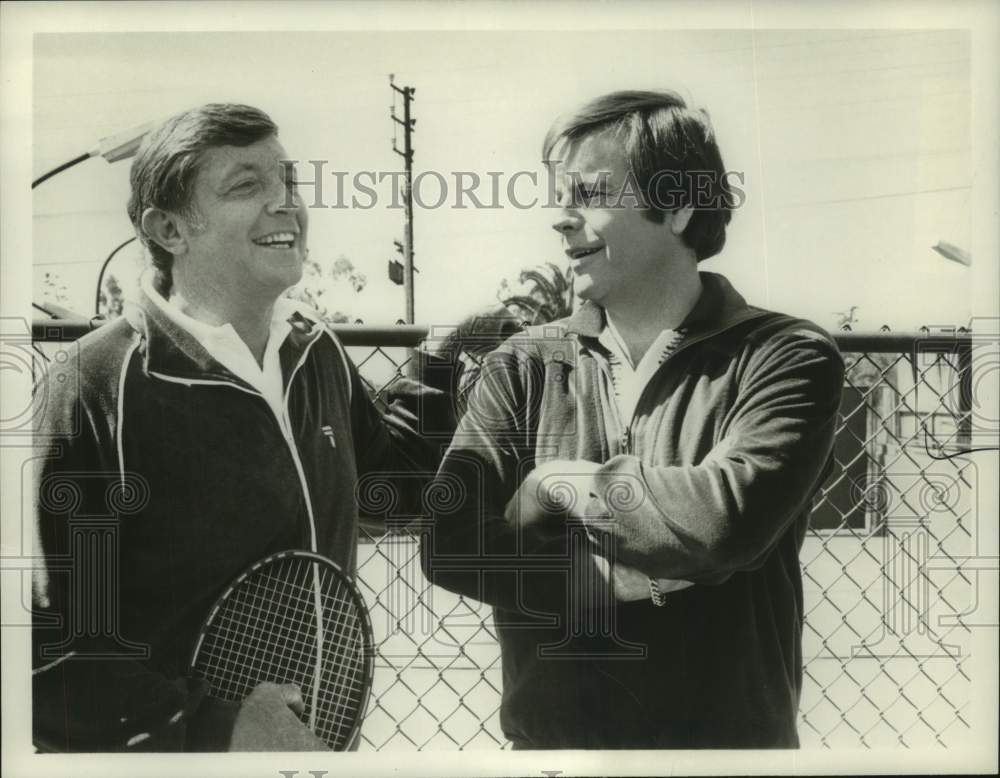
[(407, 154)]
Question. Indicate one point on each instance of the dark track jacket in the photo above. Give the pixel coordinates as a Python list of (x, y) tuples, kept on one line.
[(711, 482), (163, 477)]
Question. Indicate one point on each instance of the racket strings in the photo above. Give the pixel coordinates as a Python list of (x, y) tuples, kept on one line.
[(340, 673), (280, 633), (267, 630), (283, 630), (257, 628), (250, 630)]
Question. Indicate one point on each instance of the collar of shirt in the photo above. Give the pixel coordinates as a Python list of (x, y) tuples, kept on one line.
[(629, 380), (228, 348)]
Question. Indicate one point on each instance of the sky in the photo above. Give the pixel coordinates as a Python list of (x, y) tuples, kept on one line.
[(854, 146)]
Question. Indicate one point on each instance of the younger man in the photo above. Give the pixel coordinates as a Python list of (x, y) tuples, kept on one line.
[(668, 438)]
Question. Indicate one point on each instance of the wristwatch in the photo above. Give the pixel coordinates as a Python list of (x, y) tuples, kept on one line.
[(658, 597)]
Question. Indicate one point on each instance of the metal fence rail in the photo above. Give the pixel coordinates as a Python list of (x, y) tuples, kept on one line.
[(890, 568)]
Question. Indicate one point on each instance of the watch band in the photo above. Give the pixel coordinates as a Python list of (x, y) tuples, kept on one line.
[(658, 597)]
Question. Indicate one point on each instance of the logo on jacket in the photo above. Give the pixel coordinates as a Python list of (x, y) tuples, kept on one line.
[(328, 431)]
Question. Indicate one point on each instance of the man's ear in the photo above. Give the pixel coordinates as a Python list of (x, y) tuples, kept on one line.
[(680, 218), (163, 229)]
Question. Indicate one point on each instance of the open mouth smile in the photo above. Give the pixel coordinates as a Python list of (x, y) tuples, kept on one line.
[(583, 251), (277, 240)]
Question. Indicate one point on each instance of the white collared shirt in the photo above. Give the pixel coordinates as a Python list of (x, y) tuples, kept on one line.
[(228, 349), (628, 379)]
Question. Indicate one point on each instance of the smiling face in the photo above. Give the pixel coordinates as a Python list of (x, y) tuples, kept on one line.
[(615, 250), (247, 236)]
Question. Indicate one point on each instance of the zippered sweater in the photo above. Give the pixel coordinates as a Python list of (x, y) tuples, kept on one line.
[(710, 481), (164, 477)]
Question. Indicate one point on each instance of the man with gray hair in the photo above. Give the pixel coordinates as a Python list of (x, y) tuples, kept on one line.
[(238, 426)]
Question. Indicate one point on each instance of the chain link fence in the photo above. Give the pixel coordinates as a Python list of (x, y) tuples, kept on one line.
[(887, 593), (889, 571), (890, 566)]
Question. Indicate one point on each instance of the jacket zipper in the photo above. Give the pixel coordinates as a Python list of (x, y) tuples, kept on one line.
[(625, 439), (290, 439), (285, 427)]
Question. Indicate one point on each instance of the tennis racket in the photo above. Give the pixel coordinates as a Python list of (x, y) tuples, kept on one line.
[(293, 617)]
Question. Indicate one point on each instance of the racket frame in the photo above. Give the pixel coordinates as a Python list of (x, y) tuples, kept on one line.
[(364, 622)]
